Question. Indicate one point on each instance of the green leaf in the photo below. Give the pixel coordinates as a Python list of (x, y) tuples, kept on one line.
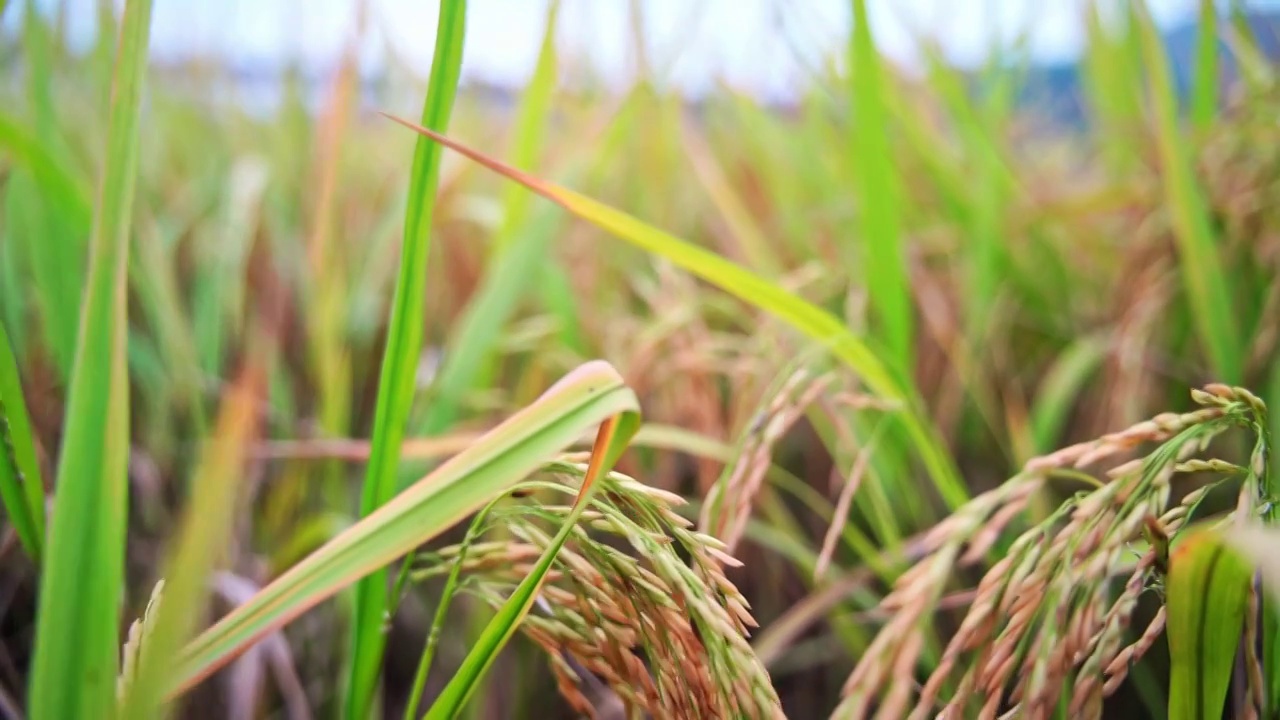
[(450, 591), (54, 179), (879, 212), (1204, 86), (77, 625), (1203, 276), (1112, 82), (517, 246), (21, 486), (611, 441), (587, 397), (400, 358), (469, 360), (818, 324), (218, 292), (1207, 592), (1260, 544), (54, 268), (49, 214), (51, 226)]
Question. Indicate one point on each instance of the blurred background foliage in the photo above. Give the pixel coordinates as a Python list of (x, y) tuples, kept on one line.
[(1039, 250)]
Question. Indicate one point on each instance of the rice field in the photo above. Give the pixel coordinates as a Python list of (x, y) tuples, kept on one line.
[(922, 396)]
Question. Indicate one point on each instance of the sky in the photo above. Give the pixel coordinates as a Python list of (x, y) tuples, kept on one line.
[(758, 46)]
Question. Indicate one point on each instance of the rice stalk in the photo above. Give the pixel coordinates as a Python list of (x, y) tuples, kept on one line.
[(665, 633), (731, 502), (1056, 608)]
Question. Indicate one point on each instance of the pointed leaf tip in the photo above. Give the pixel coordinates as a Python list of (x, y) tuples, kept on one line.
[(542, 187)]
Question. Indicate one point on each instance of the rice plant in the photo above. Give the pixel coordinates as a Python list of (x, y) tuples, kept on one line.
[(921, 396)]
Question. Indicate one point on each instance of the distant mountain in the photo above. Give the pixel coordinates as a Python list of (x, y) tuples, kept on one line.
[(1057, 93)]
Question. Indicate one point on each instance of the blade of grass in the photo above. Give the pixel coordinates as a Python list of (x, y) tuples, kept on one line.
[(516, 247), (877, 192), (1110, 78), (978, 183), (42, 183), (469, 364), (21, 486), (1203, 276), (988, 263), (1256, 71), (203, 536), (400, 357), (581, 400), (1207, 596), (611, 441), (155, 281), (987, 189), (104, 49), (556, 295), (1204, 87), (816, 323), (53, 273), (1060, 388), (13, 290), (54, 177), (77, 626), (219, 291), (38, 57), (54, 238)]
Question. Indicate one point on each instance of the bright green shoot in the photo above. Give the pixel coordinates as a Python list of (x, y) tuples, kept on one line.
[(77, 639), (879, 214), (400, 357)]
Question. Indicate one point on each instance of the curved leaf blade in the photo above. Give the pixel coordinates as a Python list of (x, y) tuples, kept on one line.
[(585, 398), (53, 177), (809, 319), (613, 437), (818, 324)]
